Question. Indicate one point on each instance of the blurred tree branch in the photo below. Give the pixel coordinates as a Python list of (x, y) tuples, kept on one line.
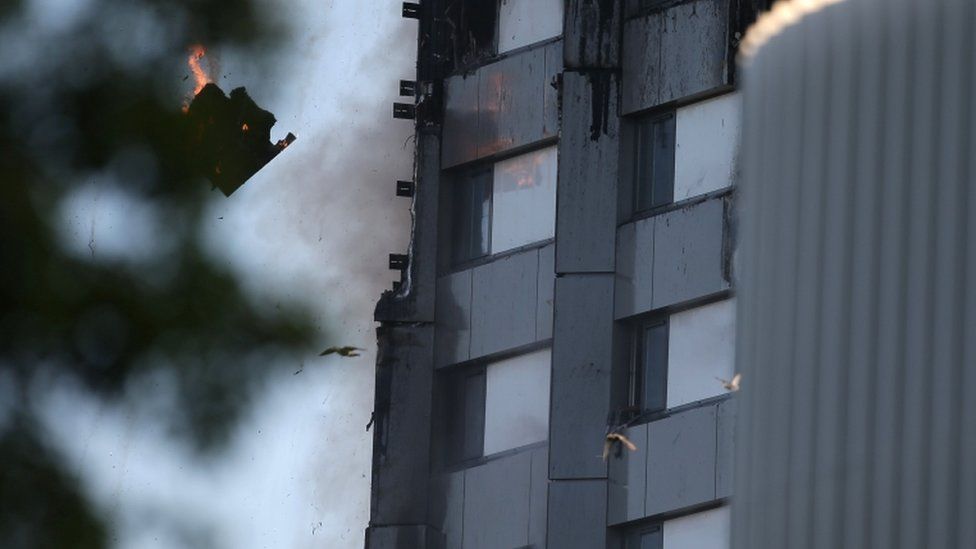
[(104, 104)]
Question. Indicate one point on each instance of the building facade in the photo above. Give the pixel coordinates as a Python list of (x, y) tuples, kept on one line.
[(569, 277)]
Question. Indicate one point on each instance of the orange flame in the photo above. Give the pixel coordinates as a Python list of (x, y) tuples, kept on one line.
[(200, 76), (244, 127)]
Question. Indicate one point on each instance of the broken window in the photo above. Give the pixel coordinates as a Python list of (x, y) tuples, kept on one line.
[(524, 22), (471, 26), (654, 162)]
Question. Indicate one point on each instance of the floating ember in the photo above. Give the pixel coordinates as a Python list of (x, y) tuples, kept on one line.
[(229, 138)]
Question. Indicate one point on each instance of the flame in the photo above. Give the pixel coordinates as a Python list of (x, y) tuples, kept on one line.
[(524, 171), (200, 76), (244, 127)]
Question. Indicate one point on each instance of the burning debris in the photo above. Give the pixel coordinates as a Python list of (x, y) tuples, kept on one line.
[(229, 138)]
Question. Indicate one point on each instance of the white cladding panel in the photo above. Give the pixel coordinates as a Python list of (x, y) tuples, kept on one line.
[(523, 200), (517, 401), (706, 146), (706, 530), (701, 347), (523, 22)]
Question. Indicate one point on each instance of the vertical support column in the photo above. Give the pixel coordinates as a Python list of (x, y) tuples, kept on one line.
[(586, 219)]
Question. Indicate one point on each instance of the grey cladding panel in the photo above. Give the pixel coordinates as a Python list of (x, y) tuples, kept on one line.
[(588, 157), (453, 337), (633, 291), (681, 460), (401, 435), (581, 375), (511, 102), (460, 143), (504, 303), (577, 514), (725, 450), (641, 63), (592, 34), (554, 66), (496, 503), (539, 498), (446, 508), (688, 253), (628, 478), (676, 53), (398, 537), (546, 286)]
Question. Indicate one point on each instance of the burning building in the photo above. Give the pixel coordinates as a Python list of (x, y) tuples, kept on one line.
[(550, 365)]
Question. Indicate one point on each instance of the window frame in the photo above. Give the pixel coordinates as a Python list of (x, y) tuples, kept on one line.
[(637, 390), (453, 179), (639, 160)]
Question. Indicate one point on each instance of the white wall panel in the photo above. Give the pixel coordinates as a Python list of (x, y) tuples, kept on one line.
[(524, 200), (706, 530), (701, 347), (706, 146), (523, 22), (517, 401)]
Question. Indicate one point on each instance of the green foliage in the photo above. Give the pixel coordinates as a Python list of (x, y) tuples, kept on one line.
[(98, 97)]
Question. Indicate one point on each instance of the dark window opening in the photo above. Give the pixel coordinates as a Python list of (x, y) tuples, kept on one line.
[(463, 396), (471, 217), (471, 26), (649, 366), (654, 162), (644, 537)]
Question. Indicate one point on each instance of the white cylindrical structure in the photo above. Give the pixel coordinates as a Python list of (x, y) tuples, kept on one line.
[(857, 304)]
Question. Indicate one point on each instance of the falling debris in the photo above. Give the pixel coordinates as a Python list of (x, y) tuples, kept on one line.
[(347, 351), (228, 139), (613, 438), (731, 386)]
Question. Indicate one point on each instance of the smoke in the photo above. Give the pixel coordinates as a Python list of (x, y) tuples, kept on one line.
[(314, 226)]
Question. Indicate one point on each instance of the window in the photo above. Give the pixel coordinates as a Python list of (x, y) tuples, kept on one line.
[(701, 348), (523, 22), (464, 398), (654, 162), (706, 146), (676, 359), (649, 366), (644, 537), (496, 407), (510, 204), (517, 402), (524, 200), (472, 215), (705, 530)]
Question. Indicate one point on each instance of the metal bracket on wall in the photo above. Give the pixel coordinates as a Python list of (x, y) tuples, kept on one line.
[(398, 262), (404, 111), (411, 10), (408, 88), (404, 188)]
